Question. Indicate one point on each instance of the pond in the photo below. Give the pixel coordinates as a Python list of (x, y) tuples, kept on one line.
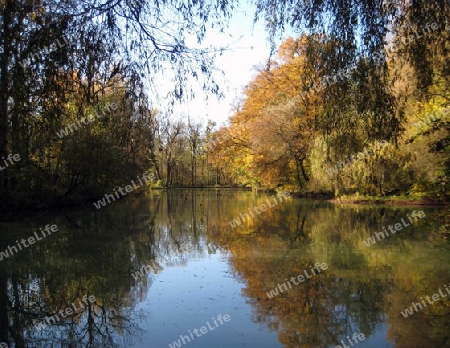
[(225, 268)]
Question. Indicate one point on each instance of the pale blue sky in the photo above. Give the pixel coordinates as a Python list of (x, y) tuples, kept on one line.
[(249, 49)]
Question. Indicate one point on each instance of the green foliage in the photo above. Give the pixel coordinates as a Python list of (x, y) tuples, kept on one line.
[(60, 62), (322, 141)]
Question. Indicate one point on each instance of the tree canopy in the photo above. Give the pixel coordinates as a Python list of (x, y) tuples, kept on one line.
[(63, 60), (358, 73)]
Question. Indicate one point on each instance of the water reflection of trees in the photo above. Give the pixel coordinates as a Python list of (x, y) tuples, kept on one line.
[(93, 254), (358, 290), (96, 253), (88, 256)]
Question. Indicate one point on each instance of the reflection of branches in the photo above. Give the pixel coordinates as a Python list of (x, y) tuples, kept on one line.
[(98, 325), (175, 245), (299, 236)]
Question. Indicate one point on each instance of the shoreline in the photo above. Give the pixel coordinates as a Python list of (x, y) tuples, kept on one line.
[(398, 202), (370, 200), (58, 203)]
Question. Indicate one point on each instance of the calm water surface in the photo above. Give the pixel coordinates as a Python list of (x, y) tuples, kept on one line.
[(164, 265)]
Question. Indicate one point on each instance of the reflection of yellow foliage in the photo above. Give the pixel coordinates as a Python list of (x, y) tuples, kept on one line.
[(359, 286)]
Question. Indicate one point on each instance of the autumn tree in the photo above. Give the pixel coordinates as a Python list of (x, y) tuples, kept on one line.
[(271, 134), (56, 56)]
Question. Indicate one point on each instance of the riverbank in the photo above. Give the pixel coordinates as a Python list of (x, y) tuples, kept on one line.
[(11, 206), (377, 200), (388, 201)]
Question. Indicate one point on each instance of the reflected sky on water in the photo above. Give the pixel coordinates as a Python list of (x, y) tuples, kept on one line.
[(163, 265)]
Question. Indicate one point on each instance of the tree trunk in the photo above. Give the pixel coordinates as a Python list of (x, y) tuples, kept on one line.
[(297, 165), (4, 319), (4, 85), (303, 171)]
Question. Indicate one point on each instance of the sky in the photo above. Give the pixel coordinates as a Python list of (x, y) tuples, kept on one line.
[(249, 49)]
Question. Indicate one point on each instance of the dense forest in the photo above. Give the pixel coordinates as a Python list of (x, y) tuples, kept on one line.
[(356, 104), (299, 130)]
